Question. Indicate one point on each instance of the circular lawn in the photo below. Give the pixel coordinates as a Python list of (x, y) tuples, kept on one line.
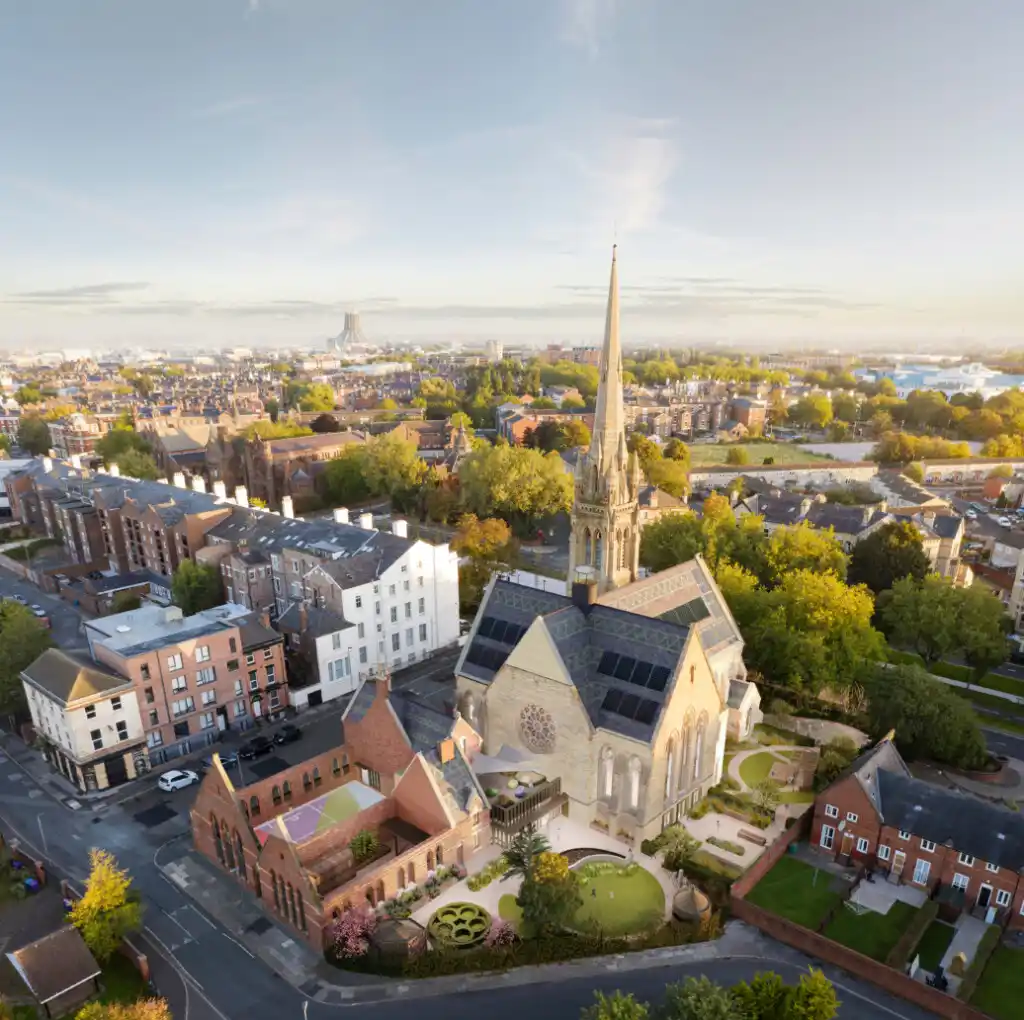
[(620, 899)]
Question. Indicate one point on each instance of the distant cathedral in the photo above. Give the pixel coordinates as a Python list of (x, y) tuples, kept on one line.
[(605, 513)]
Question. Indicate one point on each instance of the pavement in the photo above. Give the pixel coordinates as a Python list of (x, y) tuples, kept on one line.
[(206, 966)]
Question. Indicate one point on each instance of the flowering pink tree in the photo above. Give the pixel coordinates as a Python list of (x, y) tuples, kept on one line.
[(501, 934), (352, 931)]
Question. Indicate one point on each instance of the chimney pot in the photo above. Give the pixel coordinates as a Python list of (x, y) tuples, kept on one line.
[(220, 490), (341, 515), (241, 495), (179, 479), (400, 528), (287, 506), (76, 460), (199, 484), (47, 464), (366, 522), (113, 470)]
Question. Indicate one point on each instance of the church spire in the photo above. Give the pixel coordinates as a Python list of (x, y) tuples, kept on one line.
[(608, 413)]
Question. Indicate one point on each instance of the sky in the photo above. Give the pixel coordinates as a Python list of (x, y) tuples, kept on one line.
[(205, 172)]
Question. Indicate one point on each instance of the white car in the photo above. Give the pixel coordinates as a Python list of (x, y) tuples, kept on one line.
[(21, 599), (1005, 522), (971, 515), (176, 779)]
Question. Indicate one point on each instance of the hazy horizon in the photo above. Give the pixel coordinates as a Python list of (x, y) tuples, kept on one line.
[(243, 172)]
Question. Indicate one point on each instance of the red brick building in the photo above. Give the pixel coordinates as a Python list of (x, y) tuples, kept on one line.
[(966, 852), (402, 774)]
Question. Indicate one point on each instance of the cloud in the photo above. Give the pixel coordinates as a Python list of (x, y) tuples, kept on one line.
[(252, 8), (226, 108), (584, 23), (84, 294)]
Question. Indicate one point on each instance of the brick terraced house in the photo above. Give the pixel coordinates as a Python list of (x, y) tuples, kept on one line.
[(403, 772), (966, 852)]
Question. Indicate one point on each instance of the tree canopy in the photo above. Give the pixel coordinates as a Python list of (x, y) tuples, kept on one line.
[(107, 911), (195, 587), (265, 428), (33, 435), (22, 641), (516, 483), (887, 555)]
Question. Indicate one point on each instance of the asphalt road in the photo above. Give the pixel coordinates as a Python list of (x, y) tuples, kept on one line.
[(65, 620), (206, 975)]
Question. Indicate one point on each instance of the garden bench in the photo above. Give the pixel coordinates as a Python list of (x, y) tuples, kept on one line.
[(752, 837)]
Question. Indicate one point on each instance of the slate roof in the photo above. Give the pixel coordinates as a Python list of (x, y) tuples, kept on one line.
[(54, 964), (318, 621), (68, 679), (296, 446), (254, 634), (972, 826), (582, 638)]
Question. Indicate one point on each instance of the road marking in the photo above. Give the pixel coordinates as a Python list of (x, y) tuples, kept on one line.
[(239, 944), (46, 848), (185, 976), (200, 915), (171, 917)]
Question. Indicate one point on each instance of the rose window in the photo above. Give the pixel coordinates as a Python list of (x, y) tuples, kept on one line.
[(537, 729)]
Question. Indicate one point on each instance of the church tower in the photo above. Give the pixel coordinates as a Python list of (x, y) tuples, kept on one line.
[(605, 518)]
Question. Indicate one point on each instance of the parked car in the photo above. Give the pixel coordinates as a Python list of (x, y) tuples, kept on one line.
[(287, 734), (971, 515), (21, 599), (37, 610), (227, 758), (177, 779), (257, 746), (1005, 522)]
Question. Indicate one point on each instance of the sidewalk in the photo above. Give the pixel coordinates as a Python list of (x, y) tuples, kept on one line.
[(237, 910)]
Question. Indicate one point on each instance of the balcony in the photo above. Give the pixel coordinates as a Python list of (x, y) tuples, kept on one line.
[(516, 813)]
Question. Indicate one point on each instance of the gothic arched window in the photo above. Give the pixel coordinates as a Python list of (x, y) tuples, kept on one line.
[(634, 782), (606, 771)]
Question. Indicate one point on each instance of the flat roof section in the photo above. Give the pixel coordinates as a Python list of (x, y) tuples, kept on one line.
[(303, 823)]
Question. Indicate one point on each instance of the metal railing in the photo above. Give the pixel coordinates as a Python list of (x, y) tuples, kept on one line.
[(526, 809)]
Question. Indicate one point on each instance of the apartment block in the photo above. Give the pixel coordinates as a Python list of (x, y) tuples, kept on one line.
[(195, 676), (87, 719)]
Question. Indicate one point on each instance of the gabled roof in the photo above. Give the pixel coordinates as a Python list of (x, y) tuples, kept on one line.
[(68, 679), (970, 825), (318, 621), (620, 662), (55, 964)]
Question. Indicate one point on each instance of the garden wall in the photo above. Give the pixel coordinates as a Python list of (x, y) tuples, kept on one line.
[(893, 981), (797, 831)]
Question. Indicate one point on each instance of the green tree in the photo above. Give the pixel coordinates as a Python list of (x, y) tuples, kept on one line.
[(737, 455), (645, 449), (22, 641), (671, 539), (615, 1007), (5, 445), (909, 610), (676, 449), (835, 756), (33, 435), (272, 407), (915, 472), (766, 997), (812, 411), (343, 481), (698, 999), (845, 407), (487, 545), (389, 404), (678, 848), (766, 795), (107, 911), (325, 423), (887, 555), (125, 602), (196, 587), (136, 464), (317, 397), (981, 627), (121, 439), (549, 907), (930, 719), (392, 467), (522, 853), (518, 484), (28, 395), (813, 999), (672, 476), (574, 433), (266, 429), (801, 547)]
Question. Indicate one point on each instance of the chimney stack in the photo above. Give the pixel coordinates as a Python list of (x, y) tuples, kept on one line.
[(341, 515), (47, 464), (241, 495), (366, 522), (220, 490), (199, 484), (179, 479), (76, 460), (400, 528), (383, 681), (446, 749), (114, 471), (287, 506), (303, 618)]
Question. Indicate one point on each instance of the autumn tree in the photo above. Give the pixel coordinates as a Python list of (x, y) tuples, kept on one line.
[(517, 484), (316, 397), (268, 429), (392, 467), (676, 449), (108, 910), (486, 544), (141, 1009), (887, 555), (802, 547), (737, 456), (195, 587), (813, 411)]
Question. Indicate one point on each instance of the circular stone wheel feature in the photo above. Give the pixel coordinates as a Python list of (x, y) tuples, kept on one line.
[(459, 924)]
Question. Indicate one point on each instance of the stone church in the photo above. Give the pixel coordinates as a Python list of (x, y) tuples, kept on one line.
[(622, 692)]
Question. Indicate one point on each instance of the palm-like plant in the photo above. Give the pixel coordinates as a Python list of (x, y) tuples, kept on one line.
[(522, 853)]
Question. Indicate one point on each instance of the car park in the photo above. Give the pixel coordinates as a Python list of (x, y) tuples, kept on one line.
[(177, 779), (287, 734), (257, 746)]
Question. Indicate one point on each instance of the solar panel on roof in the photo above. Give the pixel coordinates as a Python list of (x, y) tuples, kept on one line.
[(647, 711), (659, 678), (612, 700), (607, 663), (624, 668), (641, 674), (630, 703), (486, 626)]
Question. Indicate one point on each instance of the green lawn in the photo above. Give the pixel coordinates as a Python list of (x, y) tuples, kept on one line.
[(711, 454), (796, 797), (1001, 988), (756, 768), (619, 904), (869, 933), (796, 890), (933, 944), (717, 865), (121, 981)]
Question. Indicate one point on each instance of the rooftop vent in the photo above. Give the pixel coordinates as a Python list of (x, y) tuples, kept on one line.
[(123, 628)]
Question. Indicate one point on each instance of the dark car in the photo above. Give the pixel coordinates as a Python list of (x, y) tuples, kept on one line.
[(227, 758), (287, 734), (255, 747)]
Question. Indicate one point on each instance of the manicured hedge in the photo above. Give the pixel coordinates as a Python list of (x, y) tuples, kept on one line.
[(901, 953)]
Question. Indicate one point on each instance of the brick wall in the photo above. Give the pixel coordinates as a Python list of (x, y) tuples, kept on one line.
[(893, 981), (340, 834), (263, 789), (377, 740)]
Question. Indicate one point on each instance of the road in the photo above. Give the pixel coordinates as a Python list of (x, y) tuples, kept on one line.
[(206, 975), (65, 620)]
